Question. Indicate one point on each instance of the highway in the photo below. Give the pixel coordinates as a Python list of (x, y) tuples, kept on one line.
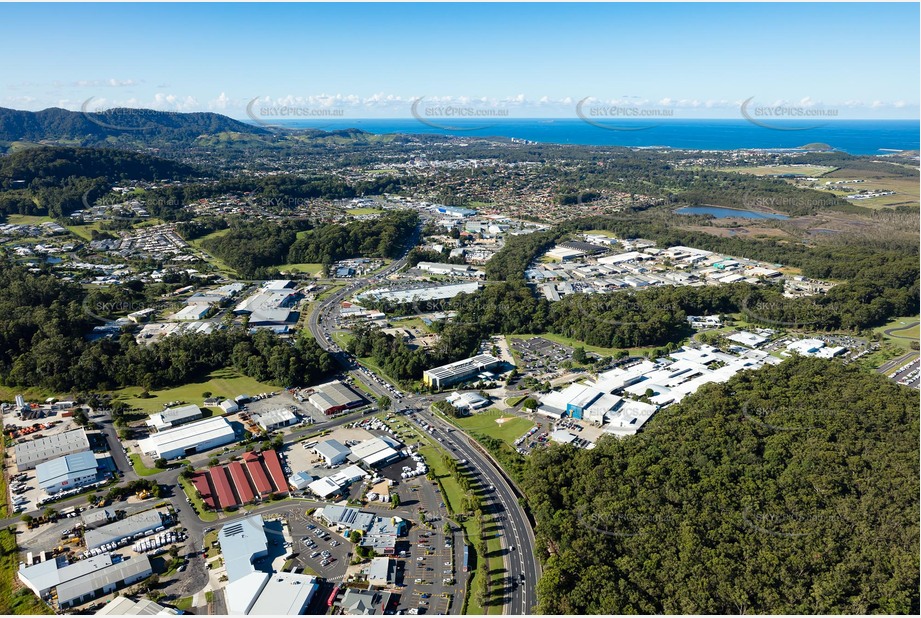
[(512, 523)]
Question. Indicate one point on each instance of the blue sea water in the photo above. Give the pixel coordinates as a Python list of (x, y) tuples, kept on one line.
[(867, 137)]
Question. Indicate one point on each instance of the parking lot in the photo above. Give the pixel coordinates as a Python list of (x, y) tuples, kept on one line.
[(909, 375)]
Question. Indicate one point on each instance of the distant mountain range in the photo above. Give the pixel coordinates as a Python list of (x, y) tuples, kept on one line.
[(115, 125)]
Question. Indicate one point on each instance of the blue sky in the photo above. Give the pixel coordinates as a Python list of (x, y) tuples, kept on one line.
[(537, 60)]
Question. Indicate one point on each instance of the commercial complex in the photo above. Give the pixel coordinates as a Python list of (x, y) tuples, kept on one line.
[(456, 270), (334, 397), (337, 483), (378, 533), (189, 439), (613, 401), (419, 293), (460, 371), (251, 591), (33, 452), (67, 472), (123, 606)]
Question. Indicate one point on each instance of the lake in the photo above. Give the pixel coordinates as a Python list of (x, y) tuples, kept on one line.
[(726, 213)]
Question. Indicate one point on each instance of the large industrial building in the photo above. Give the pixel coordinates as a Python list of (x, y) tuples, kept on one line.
[(189, 439), (123, 529), (33, 452), (255, 478), (613, 400), (275, 419), (67, 472), (333, 451), (460, 371), (421, 293), (73, 584), (377, 452), (334, 397), (104, 581), (173, 417), (253, 592)]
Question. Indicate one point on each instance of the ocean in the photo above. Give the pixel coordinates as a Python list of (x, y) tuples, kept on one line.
[(863, 137)]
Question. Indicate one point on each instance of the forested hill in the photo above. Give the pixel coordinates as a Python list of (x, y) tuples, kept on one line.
[(58, 163), (793, 490), (92, 128), (52, 180)]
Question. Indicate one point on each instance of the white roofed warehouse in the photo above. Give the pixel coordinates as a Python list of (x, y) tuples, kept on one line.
[(377, 452), (452, 373), (333, 451), (33, 452), (189, 439), (275, 419), (173, 417)]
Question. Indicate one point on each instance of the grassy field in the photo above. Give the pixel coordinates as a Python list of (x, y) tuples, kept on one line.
[(22, 601), (410, 322), (575, 343), (363, 211), (221, 383), (138, 464), (184, 604), (485, 422), (213, 260), (904, 335), (306, 268), (342, 338), (27, 219), (8, 393), (601, 233), (193, 496), (768, 170)]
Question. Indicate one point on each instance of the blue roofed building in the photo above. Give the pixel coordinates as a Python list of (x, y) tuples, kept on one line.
[(67, 472)]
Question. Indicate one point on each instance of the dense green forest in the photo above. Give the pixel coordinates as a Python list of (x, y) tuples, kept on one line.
[(253, 249), (53, 180), (42, 326), (790, 490)]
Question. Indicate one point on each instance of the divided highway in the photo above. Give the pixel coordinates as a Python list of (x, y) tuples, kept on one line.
[(512, 522)]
